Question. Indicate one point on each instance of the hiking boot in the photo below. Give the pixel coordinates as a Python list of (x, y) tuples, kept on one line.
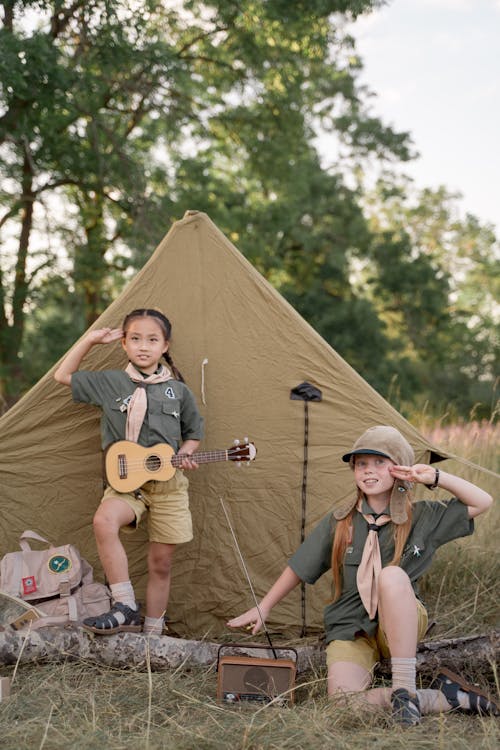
[(119, 619), (474, 700), (405, 708)]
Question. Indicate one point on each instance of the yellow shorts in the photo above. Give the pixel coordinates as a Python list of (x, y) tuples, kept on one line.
[(368, 650), (167, 506)]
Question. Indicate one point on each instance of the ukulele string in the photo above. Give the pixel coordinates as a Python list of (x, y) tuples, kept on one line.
[(200, 457), (213, 455), (245, 569)]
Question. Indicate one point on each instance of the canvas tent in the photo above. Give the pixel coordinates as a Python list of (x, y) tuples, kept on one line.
[(242, 349)]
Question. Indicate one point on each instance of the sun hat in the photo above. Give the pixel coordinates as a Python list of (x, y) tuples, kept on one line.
[(383, 440)]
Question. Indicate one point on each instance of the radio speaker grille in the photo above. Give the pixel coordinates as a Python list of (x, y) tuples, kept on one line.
[(244, 678)]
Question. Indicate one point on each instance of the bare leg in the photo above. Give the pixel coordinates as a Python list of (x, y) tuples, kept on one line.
[(347, 677), (398, 617), (160, 558), (348, 685), (110, 516), (397, 611)]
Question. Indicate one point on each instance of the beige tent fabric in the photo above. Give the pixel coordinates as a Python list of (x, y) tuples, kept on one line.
[(241, 348)]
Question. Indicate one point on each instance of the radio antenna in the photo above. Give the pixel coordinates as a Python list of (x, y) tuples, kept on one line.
[(248, 578)]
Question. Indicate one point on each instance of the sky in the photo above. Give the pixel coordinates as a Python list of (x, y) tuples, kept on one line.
[(435, 68)]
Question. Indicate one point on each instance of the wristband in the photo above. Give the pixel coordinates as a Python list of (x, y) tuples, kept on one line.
[(436, 481)]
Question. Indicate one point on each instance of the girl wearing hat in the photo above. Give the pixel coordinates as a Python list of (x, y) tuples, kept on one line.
[(378, 545)]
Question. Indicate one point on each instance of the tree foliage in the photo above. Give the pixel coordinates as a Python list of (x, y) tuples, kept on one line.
[(118, 115)]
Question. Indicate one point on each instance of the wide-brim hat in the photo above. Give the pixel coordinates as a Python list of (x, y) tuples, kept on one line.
[(383, 440)]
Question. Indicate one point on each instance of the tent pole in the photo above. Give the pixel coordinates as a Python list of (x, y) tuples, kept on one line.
[(304, 392)]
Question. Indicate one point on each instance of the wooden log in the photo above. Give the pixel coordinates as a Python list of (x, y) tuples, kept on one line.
[(124, 650), (472, 654)]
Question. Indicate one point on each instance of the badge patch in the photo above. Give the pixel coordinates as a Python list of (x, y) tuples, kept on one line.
[(29, 585), (169, 392), (59, 564), (125, 403)]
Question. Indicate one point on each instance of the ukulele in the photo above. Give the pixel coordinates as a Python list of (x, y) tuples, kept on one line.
[(128, 465)]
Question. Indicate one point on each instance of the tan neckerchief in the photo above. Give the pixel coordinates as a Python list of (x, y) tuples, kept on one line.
[(138, 404), (371, 561)]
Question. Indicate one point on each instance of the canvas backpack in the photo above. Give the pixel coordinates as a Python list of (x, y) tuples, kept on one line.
[(57, 582)]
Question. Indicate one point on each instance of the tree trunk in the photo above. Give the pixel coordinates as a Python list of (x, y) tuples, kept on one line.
[(11, 334), (474, 655)]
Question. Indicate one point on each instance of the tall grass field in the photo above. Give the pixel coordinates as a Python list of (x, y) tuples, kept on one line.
[(79, 705)]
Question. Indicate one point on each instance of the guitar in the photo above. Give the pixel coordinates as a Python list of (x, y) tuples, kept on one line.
[(128, 465)]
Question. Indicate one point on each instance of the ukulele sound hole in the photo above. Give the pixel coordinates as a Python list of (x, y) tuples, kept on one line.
[(153, 463)]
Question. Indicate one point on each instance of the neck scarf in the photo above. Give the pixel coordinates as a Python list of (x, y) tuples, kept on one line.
[(138, 404), (371, 562)]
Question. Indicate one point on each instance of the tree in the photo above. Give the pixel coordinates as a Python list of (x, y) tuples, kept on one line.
[(434, 283), (92, 91)]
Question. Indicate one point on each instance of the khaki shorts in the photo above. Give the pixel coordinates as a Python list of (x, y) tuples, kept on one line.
[(167, 507), (368, 650)]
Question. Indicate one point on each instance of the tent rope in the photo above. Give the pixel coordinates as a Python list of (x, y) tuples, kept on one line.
[(245, 569), (205, 362)]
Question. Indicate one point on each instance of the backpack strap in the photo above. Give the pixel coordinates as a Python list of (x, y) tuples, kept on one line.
[(31, 535), (12, 584), (72, 609), (47, 620)]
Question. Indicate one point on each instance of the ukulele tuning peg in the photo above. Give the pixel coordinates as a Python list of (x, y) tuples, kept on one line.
[(246, 440), (236, 441)]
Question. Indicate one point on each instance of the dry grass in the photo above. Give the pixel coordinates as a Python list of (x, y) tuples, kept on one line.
[(476, 441), (462, 588), (86, 707)]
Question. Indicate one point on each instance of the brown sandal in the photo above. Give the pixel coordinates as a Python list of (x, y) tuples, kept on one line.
[(480, 702)]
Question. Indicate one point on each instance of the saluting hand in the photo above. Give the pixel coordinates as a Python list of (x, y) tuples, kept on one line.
[(104, 335), (72, 360), (421, 473)]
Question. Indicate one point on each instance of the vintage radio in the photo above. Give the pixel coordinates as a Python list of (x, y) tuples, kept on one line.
[(259, 679)]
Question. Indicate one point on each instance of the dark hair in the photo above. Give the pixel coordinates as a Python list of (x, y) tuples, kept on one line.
[(147, 312)]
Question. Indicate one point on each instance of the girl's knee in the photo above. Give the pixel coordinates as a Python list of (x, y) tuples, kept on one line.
[(111, 515), (101, 522), (392, 577), (160, 560), (160, 569), (106, 522), (338, 690), (347, 677)]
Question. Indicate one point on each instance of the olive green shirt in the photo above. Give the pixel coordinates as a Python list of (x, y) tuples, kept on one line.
[(172, 415), (434, 523)]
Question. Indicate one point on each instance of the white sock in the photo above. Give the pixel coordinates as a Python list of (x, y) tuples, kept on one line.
[(124, 593), (153, 625), (436, 701), (433, 701), (404, 674)]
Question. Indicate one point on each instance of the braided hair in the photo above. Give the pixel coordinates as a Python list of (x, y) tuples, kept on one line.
[(166, 326)]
